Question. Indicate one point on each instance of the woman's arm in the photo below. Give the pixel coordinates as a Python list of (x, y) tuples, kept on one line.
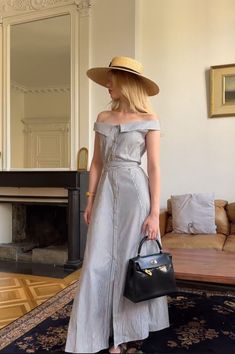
[(94, 176), (151, 225), (153, 169), (96, 166)]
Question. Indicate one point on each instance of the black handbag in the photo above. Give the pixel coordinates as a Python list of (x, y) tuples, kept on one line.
[(149, 276)]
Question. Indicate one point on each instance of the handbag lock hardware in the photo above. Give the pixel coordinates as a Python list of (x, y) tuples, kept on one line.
[(154, 261), (147, 271), (163, 268)]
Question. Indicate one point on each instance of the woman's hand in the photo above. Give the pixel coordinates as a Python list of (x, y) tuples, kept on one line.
[(88, 210), (150, 227)]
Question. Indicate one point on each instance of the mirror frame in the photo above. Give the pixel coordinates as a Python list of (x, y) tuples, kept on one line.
[(79, 98)]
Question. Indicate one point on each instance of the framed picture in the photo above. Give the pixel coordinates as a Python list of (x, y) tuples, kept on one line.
[(222, 90)]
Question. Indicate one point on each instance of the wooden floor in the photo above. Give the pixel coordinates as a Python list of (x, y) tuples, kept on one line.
[(20, 293)]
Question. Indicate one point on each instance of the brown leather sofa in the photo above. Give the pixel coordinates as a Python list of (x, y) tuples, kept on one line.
[(224, 239)]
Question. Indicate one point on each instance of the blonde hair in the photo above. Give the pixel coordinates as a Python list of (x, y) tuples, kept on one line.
[(133, 90)]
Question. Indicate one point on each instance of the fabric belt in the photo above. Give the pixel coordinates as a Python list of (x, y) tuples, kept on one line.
[(120, 164)]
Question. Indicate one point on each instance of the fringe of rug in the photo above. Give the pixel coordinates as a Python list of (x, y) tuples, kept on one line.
[(207, 292)]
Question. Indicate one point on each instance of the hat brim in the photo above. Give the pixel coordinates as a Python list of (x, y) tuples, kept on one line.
[(100, 76)]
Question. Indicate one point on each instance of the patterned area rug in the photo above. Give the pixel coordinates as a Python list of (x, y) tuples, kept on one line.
[(201, 322)]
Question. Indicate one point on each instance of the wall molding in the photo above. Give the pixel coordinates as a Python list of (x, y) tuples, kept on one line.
[(84, 7), (39, 90), (14, 7), (47, 120)]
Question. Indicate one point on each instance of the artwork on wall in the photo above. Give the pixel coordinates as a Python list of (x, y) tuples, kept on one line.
[(222, 90)]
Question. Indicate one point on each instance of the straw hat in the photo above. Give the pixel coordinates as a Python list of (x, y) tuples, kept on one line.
[(100, 75)]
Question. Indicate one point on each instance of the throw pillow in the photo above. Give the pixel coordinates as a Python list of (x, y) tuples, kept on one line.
[(193, 213), (221, 218)]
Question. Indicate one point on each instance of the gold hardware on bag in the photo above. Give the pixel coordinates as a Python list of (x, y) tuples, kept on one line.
[(147, 271), (154, 261), (163, 268)]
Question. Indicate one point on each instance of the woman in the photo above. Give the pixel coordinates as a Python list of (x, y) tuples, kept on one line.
[(122, 207)]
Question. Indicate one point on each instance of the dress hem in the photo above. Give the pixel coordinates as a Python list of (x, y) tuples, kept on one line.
[(128, 339)]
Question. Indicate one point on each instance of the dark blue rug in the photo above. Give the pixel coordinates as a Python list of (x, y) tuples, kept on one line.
[(200, 323)]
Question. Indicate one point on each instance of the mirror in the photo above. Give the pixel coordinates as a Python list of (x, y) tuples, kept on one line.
[(40, 102)]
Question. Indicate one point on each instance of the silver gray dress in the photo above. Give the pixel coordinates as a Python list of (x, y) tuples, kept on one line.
[(121, 205)]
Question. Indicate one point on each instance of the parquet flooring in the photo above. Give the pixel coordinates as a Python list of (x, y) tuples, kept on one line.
[(20, 293)]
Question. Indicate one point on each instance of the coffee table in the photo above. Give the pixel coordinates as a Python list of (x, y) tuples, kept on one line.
[(210, 266)]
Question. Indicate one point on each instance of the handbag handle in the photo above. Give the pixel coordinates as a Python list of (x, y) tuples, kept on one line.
[(145, 239)]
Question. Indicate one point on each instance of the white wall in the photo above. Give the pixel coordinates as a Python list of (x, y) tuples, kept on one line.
[(180, 40), (112, 34)]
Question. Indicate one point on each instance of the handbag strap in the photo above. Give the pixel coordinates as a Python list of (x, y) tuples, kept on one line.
[(145, 239)]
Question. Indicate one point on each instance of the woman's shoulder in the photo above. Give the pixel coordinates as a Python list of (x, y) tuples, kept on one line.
[(103, 116), (149, 116), (152, 121), (110, 116)]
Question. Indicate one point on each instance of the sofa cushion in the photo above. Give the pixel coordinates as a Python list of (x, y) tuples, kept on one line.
[(169, 208), (221, 218), (169, 227), (229, 244), (232, 229), (193, 213), (231, 215), (231, 211), (200, 241)]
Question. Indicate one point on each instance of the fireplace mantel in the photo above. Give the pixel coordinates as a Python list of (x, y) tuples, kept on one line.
[(40, 179), (76, 182)]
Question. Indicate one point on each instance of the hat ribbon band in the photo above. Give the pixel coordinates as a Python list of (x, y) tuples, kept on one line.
[(124, 67)]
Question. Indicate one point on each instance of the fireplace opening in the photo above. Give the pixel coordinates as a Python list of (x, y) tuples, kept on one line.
[(46, 225), (39, 225), (39, 234)]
